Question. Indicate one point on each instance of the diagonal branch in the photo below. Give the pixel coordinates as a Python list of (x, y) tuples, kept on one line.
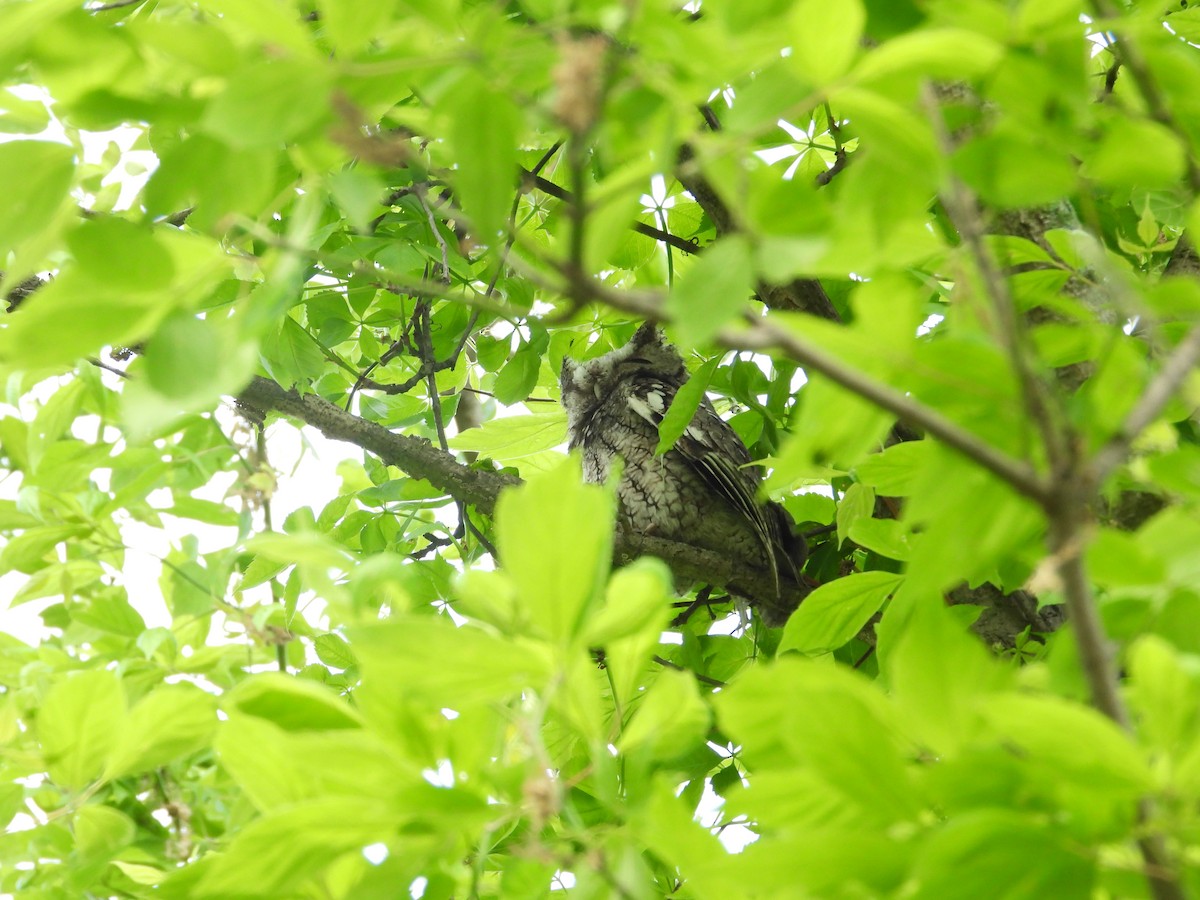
[(1183, 359), (764, 335)]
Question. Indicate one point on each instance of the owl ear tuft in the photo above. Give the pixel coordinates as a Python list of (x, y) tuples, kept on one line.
[(646, 335)]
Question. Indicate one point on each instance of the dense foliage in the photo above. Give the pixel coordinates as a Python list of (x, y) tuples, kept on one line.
[(930, 257)]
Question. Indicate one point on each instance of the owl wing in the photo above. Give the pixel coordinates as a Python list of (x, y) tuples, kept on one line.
[(717, 454)]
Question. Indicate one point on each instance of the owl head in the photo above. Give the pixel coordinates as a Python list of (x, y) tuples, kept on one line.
[(584, 384)]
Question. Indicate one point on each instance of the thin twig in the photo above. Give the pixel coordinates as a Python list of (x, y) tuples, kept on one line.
[(963, 212), (1183, 359), (704, 679), (546, 186), (1129, 53)]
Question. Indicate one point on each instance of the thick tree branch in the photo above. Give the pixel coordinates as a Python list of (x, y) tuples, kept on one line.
[(416, 456), (480, 488)]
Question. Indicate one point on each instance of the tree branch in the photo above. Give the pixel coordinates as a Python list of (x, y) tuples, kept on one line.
[(480, 488), (416, 456), (546, 186), (1178, 366), (764, 335)]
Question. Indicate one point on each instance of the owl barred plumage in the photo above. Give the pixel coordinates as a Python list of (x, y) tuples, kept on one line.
[(702, 491)]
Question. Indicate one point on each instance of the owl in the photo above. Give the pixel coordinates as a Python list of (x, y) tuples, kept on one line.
[(702, 491)]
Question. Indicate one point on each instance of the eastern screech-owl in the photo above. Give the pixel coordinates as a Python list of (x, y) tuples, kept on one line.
[(700, 492)]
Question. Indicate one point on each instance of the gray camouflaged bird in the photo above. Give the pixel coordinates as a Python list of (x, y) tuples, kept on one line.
[(700, 492)]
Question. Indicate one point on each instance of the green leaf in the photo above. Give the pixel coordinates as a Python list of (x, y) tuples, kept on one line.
[(835, 612), (20, 116), (333, 650), (1136, 153), (669, 719), (518, 377), (937, 671), (34, 179), (269, 103), (100, 831), (359, 192), (275, 855), (214, 178), (78, 723), (99, 316), (637, 607), (168, 723), (120, 254), (208, 511), (1163, 694), (291, 356), (858, 502), (293, 704), (28, 551), (277, 769), (514, 437), (712, 290), (1010, 168), (414, 651), (800, 713), (893, 471), (684, 405), (483, 125), (945, 53), (1070, 741), (352, 23), (835, 429), (998, 853), (887, 537), (554, 534), (825, 37)]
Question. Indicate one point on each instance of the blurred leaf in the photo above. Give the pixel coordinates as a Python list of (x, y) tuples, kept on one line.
[(168, 723), (34, 178), (483, 125), (711, 291), (291, 703), (446, 666), (668, 718), (984, 849), (78, 723), (1070, 740), (269, 103), (938, 672), (554, 534), (274, 854), (826, 37)]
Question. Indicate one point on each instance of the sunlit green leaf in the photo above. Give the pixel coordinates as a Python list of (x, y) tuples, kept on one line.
[(78, 723)]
